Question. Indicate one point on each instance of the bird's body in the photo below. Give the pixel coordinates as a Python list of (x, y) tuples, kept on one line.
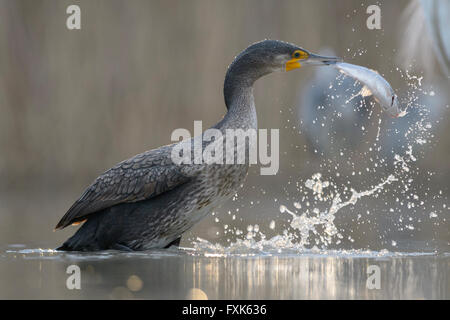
[(161, 219), (149, 201)]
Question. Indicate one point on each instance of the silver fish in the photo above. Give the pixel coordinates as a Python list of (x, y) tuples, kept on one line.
[(374, 84)]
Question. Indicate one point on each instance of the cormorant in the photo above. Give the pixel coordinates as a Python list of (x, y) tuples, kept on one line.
[(149, 201)]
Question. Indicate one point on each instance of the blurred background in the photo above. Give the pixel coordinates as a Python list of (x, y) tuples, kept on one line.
[(75, 102)]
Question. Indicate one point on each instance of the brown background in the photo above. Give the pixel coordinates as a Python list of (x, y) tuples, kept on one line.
[(74, 103)]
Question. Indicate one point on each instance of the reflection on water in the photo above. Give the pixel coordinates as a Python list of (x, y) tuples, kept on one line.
[(186, 274)]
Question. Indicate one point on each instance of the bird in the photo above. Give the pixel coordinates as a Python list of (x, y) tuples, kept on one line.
[(150, 200)]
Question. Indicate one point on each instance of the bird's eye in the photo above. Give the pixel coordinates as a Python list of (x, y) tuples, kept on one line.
[(296, 54)]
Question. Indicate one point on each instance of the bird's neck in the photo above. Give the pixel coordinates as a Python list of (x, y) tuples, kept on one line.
[(238, 94), (241, 113)]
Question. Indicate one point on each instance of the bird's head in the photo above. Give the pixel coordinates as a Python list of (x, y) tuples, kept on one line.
[(272, 55), (265, 57)]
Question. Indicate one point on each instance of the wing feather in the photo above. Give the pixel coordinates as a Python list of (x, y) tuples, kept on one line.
[(144, 176)]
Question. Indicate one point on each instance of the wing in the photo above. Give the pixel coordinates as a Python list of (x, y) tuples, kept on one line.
[(144, 176)]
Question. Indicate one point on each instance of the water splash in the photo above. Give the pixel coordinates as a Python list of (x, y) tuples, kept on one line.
[(306, 223), (391, 158)]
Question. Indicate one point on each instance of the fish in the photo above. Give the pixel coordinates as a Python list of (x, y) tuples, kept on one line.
[(373, 85)]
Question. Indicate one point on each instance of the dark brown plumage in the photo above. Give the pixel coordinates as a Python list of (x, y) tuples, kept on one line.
[(139, 178), (148, 201)]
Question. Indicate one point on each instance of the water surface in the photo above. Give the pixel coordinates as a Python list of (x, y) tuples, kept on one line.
[(188, 273)]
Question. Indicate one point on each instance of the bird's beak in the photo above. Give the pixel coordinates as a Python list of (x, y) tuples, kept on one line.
[(316, 60), (312, 60)]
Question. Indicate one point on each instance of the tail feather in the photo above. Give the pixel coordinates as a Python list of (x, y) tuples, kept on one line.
[(84, 239)]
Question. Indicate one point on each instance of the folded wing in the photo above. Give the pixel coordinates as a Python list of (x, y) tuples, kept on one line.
[(144, 176)]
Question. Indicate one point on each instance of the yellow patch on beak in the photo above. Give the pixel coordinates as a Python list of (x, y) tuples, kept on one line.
[(293, 64)]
